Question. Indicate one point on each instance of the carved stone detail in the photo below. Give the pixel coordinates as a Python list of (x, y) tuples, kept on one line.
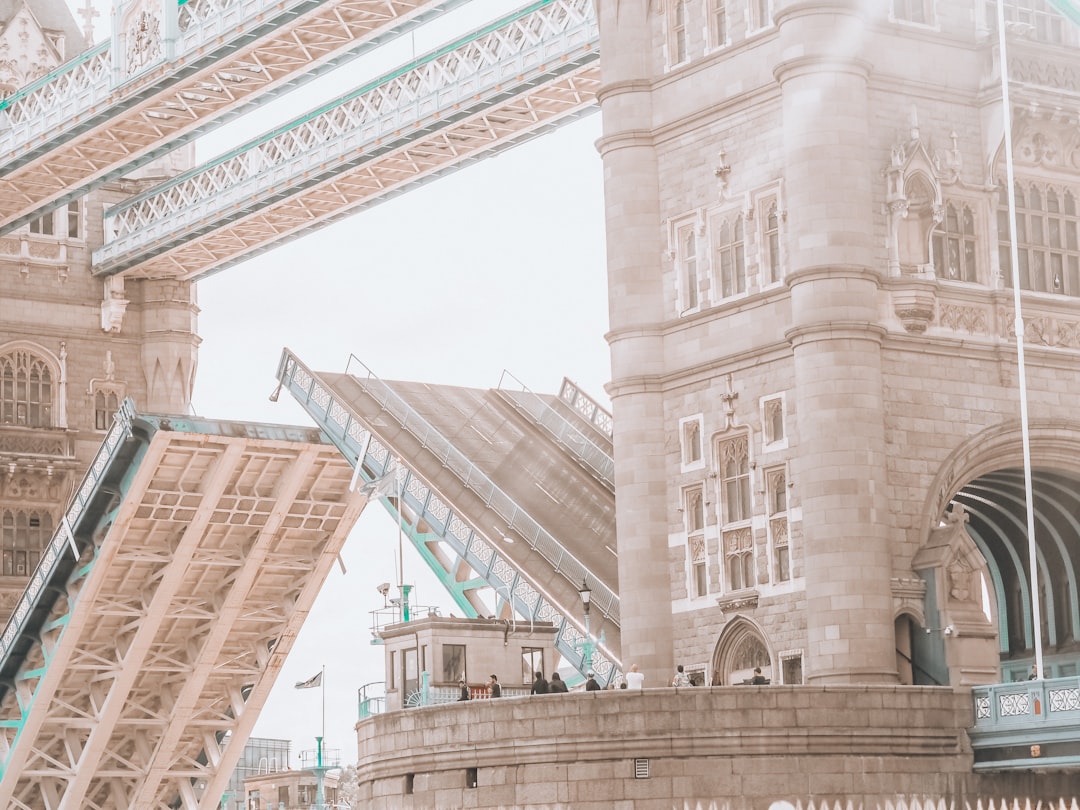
[(914, 308), (960, 318)]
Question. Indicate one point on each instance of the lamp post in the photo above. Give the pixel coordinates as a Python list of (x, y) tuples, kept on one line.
[(587, 646)]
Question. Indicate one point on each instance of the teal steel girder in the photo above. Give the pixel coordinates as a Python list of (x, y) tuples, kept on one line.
[(108, 477), (354, 131), (361, 448), (104, 101)]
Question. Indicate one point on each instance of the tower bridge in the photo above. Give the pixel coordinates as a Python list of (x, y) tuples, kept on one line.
[(814, 436)]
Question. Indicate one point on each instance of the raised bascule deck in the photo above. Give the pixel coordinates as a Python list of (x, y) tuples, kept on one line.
[(201, 547), (487, 495)]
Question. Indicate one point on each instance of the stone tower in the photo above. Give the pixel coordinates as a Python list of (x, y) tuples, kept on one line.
[(72, 346), (812, 339)]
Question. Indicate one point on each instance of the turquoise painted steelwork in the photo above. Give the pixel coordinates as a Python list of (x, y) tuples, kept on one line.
[(86, 93), (59, 571), (361, 448), (1031, 725), (531, 47)]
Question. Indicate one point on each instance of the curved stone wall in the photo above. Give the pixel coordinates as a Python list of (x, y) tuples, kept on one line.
[(735, 747)]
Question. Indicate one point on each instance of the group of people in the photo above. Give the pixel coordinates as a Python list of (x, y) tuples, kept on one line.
[(632, 680), (493, 688)]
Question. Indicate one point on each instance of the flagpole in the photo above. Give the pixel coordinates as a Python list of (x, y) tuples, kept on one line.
[(1018, 328), (322, 683)]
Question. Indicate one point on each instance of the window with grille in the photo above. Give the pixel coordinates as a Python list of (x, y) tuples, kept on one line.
[(25, 390), (694, 510), (776, 490), (728, 238), (1043, 22), (532, 661), (106, 404), (1047, 238), (690, 429), (954, 244), (24, 535), (689, 279), (679, 32), (735, 479), (718, 23), (772, 411), (74, 219), (453, 663), (739, 558), (45, 225), (760, 14), (771, 243), (913, 11)]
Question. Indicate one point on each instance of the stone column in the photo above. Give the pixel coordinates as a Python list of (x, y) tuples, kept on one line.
[(839, 472), (635, 295)]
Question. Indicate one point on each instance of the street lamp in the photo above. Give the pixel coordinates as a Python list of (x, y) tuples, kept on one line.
[(587, 645)]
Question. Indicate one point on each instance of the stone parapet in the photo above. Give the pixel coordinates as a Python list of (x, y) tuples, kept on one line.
[(739, 746)]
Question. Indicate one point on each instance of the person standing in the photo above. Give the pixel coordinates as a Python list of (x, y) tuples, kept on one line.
[(681, 678), (591, 685), (464, 691), (758, 679), (494, 686), (635, 679), (557, 684), (539, 686)]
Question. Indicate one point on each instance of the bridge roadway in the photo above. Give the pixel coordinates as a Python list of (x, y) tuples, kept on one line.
[(514, 508), (132, 677), (113, 109)]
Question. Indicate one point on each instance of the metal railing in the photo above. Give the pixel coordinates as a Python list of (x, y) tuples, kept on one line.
[(532, 42), (517, 519), (589, 408), (565, 434)]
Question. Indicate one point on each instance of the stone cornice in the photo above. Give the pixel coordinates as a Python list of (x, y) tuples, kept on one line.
[(617, 88), (836, 330), (807, 65), (830, 272), (627, 139)]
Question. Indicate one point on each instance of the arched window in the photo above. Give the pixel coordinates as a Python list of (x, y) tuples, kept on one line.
[(731, 258), (954, 244), (26, 390), (23, 536)]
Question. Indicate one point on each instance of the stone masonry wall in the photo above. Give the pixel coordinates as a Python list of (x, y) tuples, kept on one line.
[(734, 747)]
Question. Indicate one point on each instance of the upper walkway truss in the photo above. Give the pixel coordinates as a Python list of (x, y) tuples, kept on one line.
[(472, 98), (169, 73)]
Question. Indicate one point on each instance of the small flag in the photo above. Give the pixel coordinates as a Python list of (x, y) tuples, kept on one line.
[(310, 683), (382, 487)]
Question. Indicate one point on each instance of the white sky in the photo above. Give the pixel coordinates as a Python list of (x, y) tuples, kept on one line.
[(499, 266)]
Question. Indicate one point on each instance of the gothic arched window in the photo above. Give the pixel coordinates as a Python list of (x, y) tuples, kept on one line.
[(26, 390)]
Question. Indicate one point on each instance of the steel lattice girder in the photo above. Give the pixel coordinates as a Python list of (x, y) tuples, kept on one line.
[(78, 127), (182, 624), (470, 99), (545, 558)]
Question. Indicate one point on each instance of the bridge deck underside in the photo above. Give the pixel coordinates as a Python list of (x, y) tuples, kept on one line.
[(568, 502), (175, 637)]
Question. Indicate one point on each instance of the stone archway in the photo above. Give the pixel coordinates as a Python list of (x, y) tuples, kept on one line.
[(978, 556), (740, 648)]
